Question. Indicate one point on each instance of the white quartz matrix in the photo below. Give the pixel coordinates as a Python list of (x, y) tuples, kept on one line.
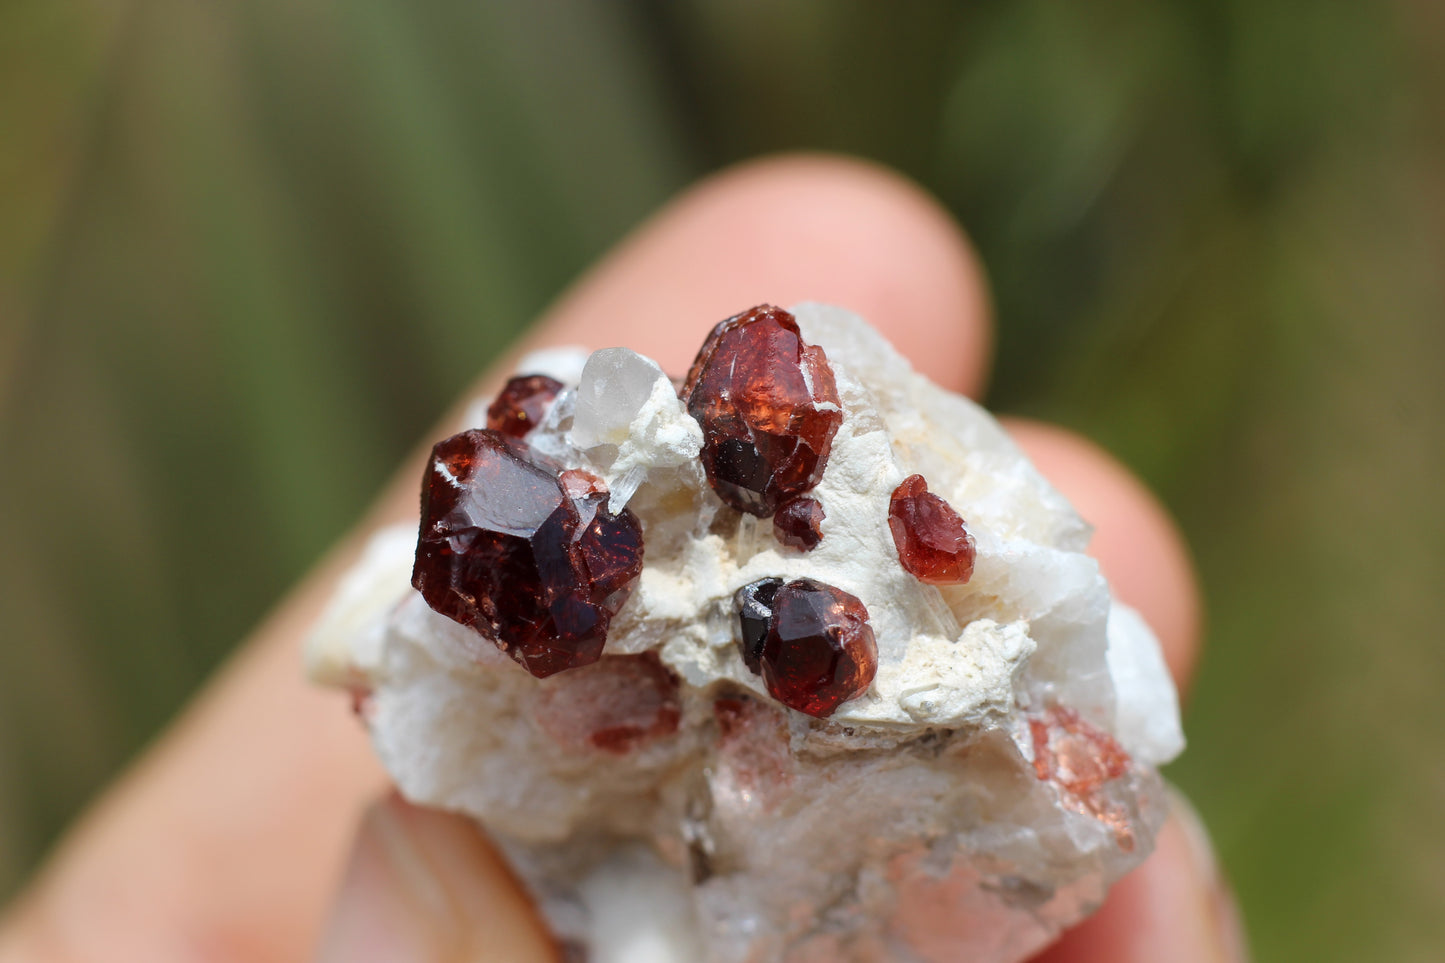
[(981, 795)]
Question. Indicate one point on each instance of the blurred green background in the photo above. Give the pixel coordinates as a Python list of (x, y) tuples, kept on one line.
[(244, 245)]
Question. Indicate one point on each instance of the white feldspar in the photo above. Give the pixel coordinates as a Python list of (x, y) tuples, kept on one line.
[(939, 816)]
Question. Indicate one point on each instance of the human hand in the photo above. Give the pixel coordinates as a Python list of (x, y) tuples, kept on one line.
[(227, 841)]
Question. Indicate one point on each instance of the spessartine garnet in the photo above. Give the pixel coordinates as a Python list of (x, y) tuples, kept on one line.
[(819, 651), (798, 523), (526, 555), (768, 406), (521, 404), (933, 544)]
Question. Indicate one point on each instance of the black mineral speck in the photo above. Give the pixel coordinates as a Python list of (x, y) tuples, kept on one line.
[(755, 613)]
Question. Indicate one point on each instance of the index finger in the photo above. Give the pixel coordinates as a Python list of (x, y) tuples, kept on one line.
[(225, 841)]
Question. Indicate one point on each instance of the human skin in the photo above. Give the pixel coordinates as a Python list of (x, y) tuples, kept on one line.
[(259, 827)]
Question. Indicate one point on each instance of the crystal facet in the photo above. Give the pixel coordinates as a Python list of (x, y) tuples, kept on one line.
[(768, 406), (504, 549), (819, 651), (522, 402), (933, 544), (798, 523)]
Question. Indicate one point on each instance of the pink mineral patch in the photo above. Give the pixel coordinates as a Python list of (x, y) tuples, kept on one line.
[(754, 763), (1081, 759), (617, 705)]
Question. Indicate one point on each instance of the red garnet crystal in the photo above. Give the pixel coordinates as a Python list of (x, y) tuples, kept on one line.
[(819, 651), (768, 407), (797, 523), (933, 545), (538, 567), (522, 403)]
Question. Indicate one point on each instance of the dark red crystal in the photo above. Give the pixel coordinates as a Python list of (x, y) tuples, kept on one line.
[(933, 544), (504, 549), (617, 705), (768, 407), (522, 403), (819, 651), (798, 523)]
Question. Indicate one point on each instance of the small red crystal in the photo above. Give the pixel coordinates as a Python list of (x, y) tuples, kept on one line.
[(617, 705), (798, 523), (504, 549), (521, 404), (768, 407), (819, 651), (933, 544)]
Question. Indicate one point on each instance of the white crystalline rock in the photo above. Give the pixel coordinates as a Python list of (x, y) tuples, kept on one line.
[(628, 420), (981, 795)]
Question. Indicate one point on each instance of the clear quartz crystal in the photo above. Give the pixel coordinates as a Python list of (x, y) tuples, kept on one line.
[(982, 793), (628, 420)]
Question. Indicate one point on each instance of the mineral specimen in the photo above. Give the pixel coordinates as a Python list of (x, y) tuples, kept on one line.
[(858, 752), (933, 544)]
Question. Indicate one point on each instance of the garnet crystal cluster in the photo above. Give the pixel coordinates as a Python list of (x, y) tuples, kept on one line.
[(524, 553), (863, 696)]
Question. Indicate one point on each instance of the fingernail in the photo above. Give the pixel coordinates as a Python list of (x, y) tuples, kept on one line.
[(1221, 921), (426, 887)]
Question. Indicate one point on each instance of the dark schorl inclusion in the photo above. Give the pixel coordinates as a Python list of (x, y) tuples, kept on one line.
[(810, 641), (755, 614), (523, 553), (768, 406)]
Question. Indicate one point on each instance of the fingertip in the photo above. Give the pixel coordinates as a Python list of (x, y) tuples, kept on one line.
[(425, 885), (1139, 548), (1175, 906), (787, 229)]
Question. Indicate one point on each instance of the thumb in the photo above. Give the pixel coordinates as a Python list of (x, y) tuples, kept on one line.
[(426, 887)]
